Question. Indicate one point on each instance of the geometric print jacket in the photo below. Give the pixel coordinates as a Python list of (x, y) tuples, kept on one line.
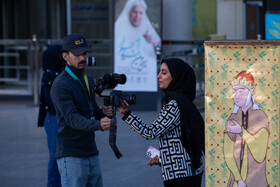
[(175, 161)]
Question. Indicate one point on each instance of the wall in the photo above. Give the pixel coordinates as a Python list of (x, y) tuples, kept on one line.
[(204, 20), (230, 19), (177, 22)]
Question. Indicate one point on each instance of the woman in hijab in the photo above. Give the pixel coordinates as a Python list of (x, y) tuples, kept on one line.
[(179, 126), (53, 65), (135, 42)]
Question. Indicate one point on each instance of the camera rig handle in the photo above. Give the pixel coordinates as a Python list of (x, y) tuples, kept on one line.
[(113, 130), (112, 137), (109, 81)]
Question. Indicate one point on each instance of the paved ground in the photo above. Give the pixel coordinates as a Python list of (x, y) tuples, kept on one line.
[(24, 154)]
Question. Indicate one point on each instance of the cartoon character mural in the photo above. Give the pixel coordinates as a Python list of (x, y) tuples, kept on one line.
[(246, 136), (242, 113)]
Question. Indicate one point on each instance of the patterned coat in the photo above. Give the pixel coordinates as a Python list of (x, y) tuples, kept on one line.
[(175, 161)]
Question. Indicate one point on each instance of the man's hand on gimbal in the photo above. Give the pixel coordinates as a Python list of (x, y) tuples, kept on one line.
[(105, 123), (107, 111)]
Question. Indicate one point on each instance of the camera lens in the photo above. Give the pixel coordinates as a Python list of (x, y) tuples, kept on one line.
[(91, 61), (122, 79), (130, 98), (118, 78)]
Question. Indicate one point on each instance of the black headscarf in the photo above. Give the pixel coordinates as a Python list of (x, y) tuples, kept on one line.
[(182, 89), (52, 59), (52, 65)]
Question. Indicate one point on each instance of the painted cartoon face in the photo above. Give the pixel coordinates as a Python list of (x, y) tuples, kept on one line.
[(136, 15), (164, 76), (240, 95)]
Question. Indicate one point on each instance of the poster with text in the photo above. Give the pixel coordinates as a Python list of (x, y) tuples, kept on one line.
[(137, 26), (242, 84)]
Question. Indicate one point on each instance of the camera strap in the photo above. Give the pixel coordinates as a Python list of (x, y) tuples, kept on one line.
[(112, 137), (87, 84)]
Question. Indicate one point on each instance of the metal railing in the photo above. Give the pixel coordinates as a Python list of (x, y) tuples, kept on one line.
[(16, 67), (20, 63)]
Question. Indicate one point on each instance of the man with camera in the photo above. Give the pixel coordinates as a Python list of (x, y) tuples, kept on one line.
[(78, 118)]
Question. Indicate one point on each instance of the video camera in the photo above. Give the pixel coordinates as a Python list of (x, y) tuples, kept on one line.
[(110, 81)]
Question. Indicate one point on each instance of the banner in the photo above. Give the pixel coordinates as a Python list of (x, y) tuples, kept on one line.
[(136, 40), (242, 84), (272, 26)]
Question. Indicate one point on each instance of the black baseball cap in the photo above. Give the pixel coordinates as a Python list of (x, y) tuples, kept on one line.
[(75, 43)]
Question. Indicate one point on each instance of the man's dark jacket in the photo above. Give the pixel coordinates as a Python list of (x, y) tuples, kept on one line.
[(75, 128)]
